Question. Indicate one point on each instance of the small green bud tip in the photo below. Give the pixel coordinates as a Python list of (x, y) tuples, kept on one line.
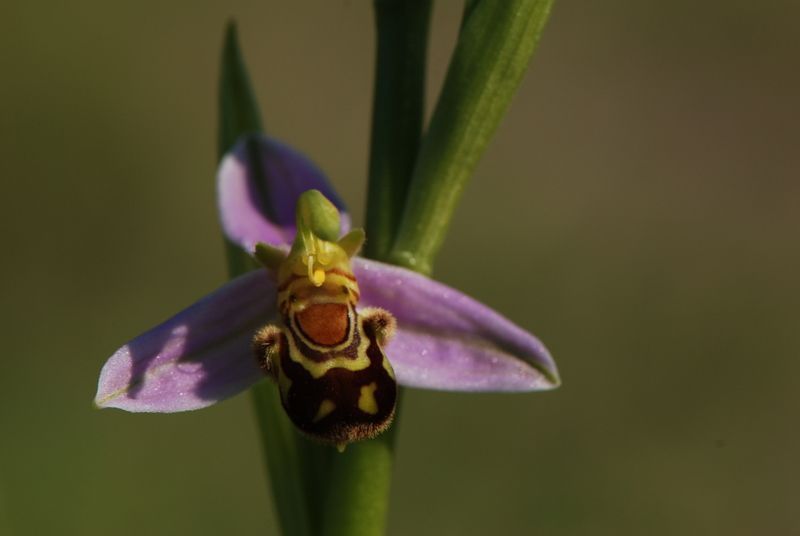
[(269, 256), (317, 215)]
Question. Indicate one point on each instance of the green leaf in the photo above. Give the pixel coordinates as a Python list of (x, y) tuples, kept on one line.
[(493, 50), (238, 109)]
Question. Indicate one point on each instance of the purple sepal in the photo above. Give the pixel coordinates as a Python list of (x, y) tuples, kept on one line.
[(196, 358), (446, 340), (259, 168)]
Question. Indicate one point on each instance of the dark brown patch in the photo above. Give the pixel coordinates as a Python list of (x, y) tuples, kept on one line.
[(346, 423)]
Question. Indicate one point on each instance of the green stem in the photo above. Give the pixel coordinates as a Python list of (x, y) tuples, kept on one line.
[(397, 115), (494, 47), (358, 497)]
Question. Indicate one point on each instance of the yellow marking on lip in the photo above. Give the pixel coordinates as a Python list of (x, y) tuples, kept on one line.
[(318, 369), (325, 409), (366, 400), (335, 276)]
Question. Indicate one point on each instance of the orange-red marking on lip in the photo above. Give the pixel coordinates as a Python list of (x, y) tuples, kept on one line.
[(324, 323)]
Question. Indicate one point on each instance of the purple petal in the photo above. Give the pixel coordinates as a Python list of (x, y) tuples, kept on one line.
[(446, 340), (196, 358), (260, 168)]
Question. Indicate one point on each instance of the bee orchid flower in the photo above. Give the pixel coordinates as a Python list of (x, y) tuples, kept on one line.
[(443, 340)]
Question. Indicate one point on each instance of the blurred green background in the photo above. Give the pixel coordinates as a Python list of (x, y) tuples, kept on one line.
[(638, 210)]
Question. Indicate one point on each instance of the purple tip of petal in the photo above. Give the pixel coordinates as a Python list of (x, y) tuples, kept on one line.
[(260, 168), (449, 341), (196, 358)]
